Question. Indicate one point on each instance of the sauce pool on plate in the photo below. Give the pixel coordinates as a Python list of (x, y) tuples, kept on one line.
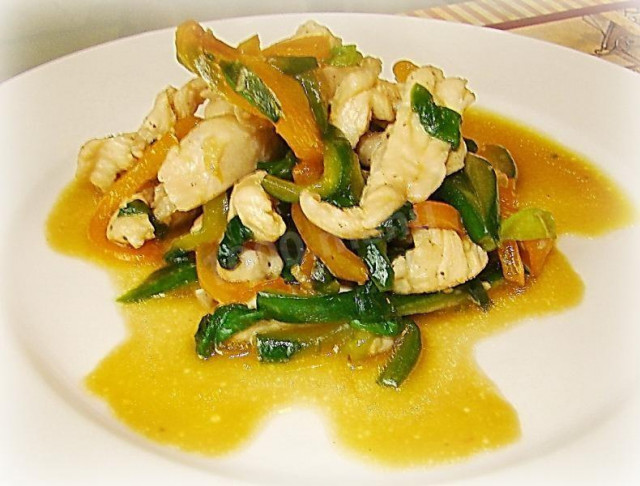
[(447, 410)]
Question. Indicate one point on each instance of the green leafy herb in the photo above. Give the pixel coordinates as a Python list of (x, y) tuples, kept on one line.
[(249, 85), (236, 235), (438, 121), (140, 207), (227, 320)]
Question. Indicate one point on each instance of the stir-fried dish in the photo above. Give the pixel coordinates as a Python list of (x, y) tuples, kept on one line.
[(311, 204)]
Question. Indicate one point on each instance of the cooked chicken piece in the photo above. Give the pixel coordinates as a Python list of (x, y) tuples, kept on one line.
[(163, 208), (440, 260), (211, 158), (344, 223), (189, 97), (217, 106), (258, 261), (368, 145), (408, 166), (358, 96), (158, 122), (102, 160), (455, 161), (131, 229), (250, 201)]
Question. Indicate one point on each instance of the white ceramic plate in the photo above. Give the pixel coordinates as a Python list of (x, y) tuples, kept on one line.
[(565, 374)]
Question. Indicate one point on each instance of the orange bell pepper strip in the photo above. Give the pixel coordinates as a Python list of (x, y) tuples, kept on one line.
[(330, 249), (144, 170), (534, 254), (436, 214), (306, 172), (192, 41), (318, 46), (508, 252), (250, 46), (297, 124), (402, 70), (227, 292)]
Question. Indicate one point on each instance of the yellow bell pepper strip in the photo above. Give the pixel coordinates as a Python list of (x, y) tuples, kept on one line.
[(144, 170), (213, 223), (508, 252), (227, 292), (436, 214), (402, 70), (318, 46), (330, 249)]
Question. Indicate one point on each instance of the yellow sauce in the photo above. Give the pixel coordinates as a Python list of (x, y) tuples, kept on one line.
[(447, 410)]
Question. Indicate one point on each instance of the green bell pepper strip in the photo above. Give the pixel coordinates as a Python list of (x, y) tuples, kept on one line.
[(214, 220), (404, 356), (478, 293), (281, 168), (280, 346), (528, 224), (500, 159), (341, 182), (140, 207), (348, 306), (471, 144), (473, 191), (163, 280), (224, 322), (290, 246), (298, 309), (319, 107), (236, 235), (248, 85), (438, 121), (293, 65), (345, 56), (282, 189)]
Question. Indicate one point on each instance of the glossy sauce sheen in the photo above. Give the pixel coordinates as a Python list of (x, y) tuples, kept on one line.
[(447, 410)]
